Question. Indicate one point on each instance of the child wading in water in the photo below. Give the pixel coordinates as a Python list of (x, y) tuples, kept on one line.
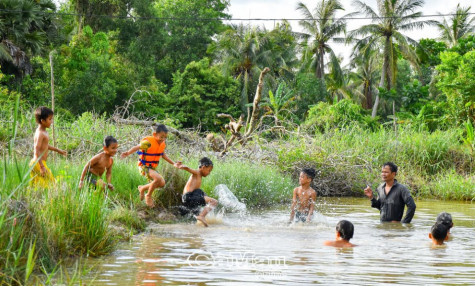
[(438, 234), (304, 197), (151, 149), (41, 174), (99, 164), (344, 232), (193, 196)]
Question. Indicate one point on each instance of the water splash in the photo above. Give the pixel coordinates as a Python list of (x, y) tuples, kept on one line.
[(228, 200)]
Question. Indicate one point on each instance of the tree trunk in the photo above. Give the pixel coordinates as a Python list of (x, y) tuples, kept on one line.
[(255, 105), (368, 95), (383, 76)]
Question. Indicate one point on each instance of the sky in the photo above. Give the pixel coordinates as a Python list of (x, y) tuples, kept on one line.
[(278, 9)]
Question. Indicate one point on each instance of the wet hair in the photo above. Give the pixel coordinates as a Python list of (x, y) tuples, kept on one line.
[(345, 229), (439, 231), (310, 172), (160, 128), (392, 166), (445, 219), (108, 141), (205, 162), (42, 113)]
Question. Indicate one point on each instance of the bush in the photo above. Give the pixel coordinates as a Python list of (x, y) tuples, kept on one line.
[(345, 113), (255, 184)]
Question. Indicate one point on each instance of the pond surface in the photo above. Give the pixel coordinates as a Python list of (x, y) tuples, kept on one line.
[(261, 248)]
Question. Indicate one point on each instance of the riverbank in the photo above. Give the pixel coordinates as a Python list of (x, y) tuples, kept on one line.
[(40, 229)]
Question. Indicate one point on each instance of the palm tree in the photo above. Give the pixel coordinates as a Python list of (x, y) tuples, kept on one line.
[(365, 78), (241, 52), (384, 35), (458, 26), (23, 26), (321, 27)]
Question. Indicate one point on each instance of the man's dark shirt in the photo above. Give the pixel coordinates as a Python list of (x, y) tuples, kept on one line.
[(391, 206)]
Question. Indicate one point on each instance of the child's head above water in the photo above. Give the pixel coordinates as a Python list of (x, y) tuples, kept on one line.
[(445, 219), (42, 113), (205, 166), (438, 233), (345, 229)]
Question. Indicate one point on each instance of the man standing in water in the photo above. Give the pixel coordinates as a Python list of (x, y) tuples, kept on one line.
[(392, 197)]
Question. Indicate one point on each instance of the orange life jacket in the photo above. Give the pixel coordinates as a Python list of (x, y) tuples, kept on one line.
[(152, 155)]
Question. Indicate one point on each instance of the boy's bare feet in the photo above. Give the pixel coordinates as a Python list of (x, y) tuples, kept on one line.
[(202, 219), (149, 201), (142, 192)]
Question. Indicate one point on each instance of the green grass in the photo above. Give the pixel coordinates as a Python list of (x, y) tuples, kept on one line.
[(41, 228), (349, 159), (255, 184)]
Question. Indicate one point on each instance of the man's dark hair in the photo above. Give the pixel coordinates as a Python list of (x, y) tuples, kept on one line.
[(161, 128), (310, 172), (439, 231), (109, 140), (445, 219), (345, 229), (205, 162), (42, 113), (391, 166)]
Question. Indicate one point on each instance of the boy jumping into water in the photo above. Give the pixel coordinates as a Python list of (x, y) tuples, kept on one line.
[(438, 234), (344, 232), (41, 174), (151, 149), (99, 164), (193, 196), (304, 197)]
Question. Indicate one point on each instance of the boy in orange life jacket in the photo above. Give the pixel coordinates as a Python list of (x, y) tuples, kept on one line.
[(151, 149)]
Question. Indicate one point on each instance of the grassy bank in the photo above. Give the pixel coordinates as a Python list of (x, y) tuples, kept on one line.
[(42, 227), (434, 165)]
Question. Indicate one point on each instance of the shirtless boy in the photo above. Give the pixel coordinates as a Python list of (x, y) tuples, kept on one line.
[(303, 201), (193, 196), (99, 164), (41, 175), (344, 232)]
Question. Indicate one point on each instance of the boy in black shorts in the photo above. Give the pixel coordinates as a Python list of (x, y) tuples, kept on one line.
[(193, 196)]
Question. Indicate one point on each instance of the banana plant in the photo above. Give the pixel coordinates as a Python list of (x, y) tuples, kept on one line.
[(279, 102)]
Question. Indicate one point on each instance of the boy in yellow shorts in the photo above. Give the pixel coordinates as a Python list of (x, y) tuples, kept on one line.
[(151, 149), (41, 175)]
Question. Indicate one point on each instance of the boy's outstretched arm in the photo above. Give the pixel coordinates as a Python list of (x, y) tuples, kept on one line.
[(175, 164), (294, 204), (62, 152), (131, 151), (312, 206), (188, 169)]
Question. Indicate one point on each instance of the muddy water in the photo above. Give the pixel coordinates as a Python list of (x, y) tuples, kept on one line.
[(261, 248)]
